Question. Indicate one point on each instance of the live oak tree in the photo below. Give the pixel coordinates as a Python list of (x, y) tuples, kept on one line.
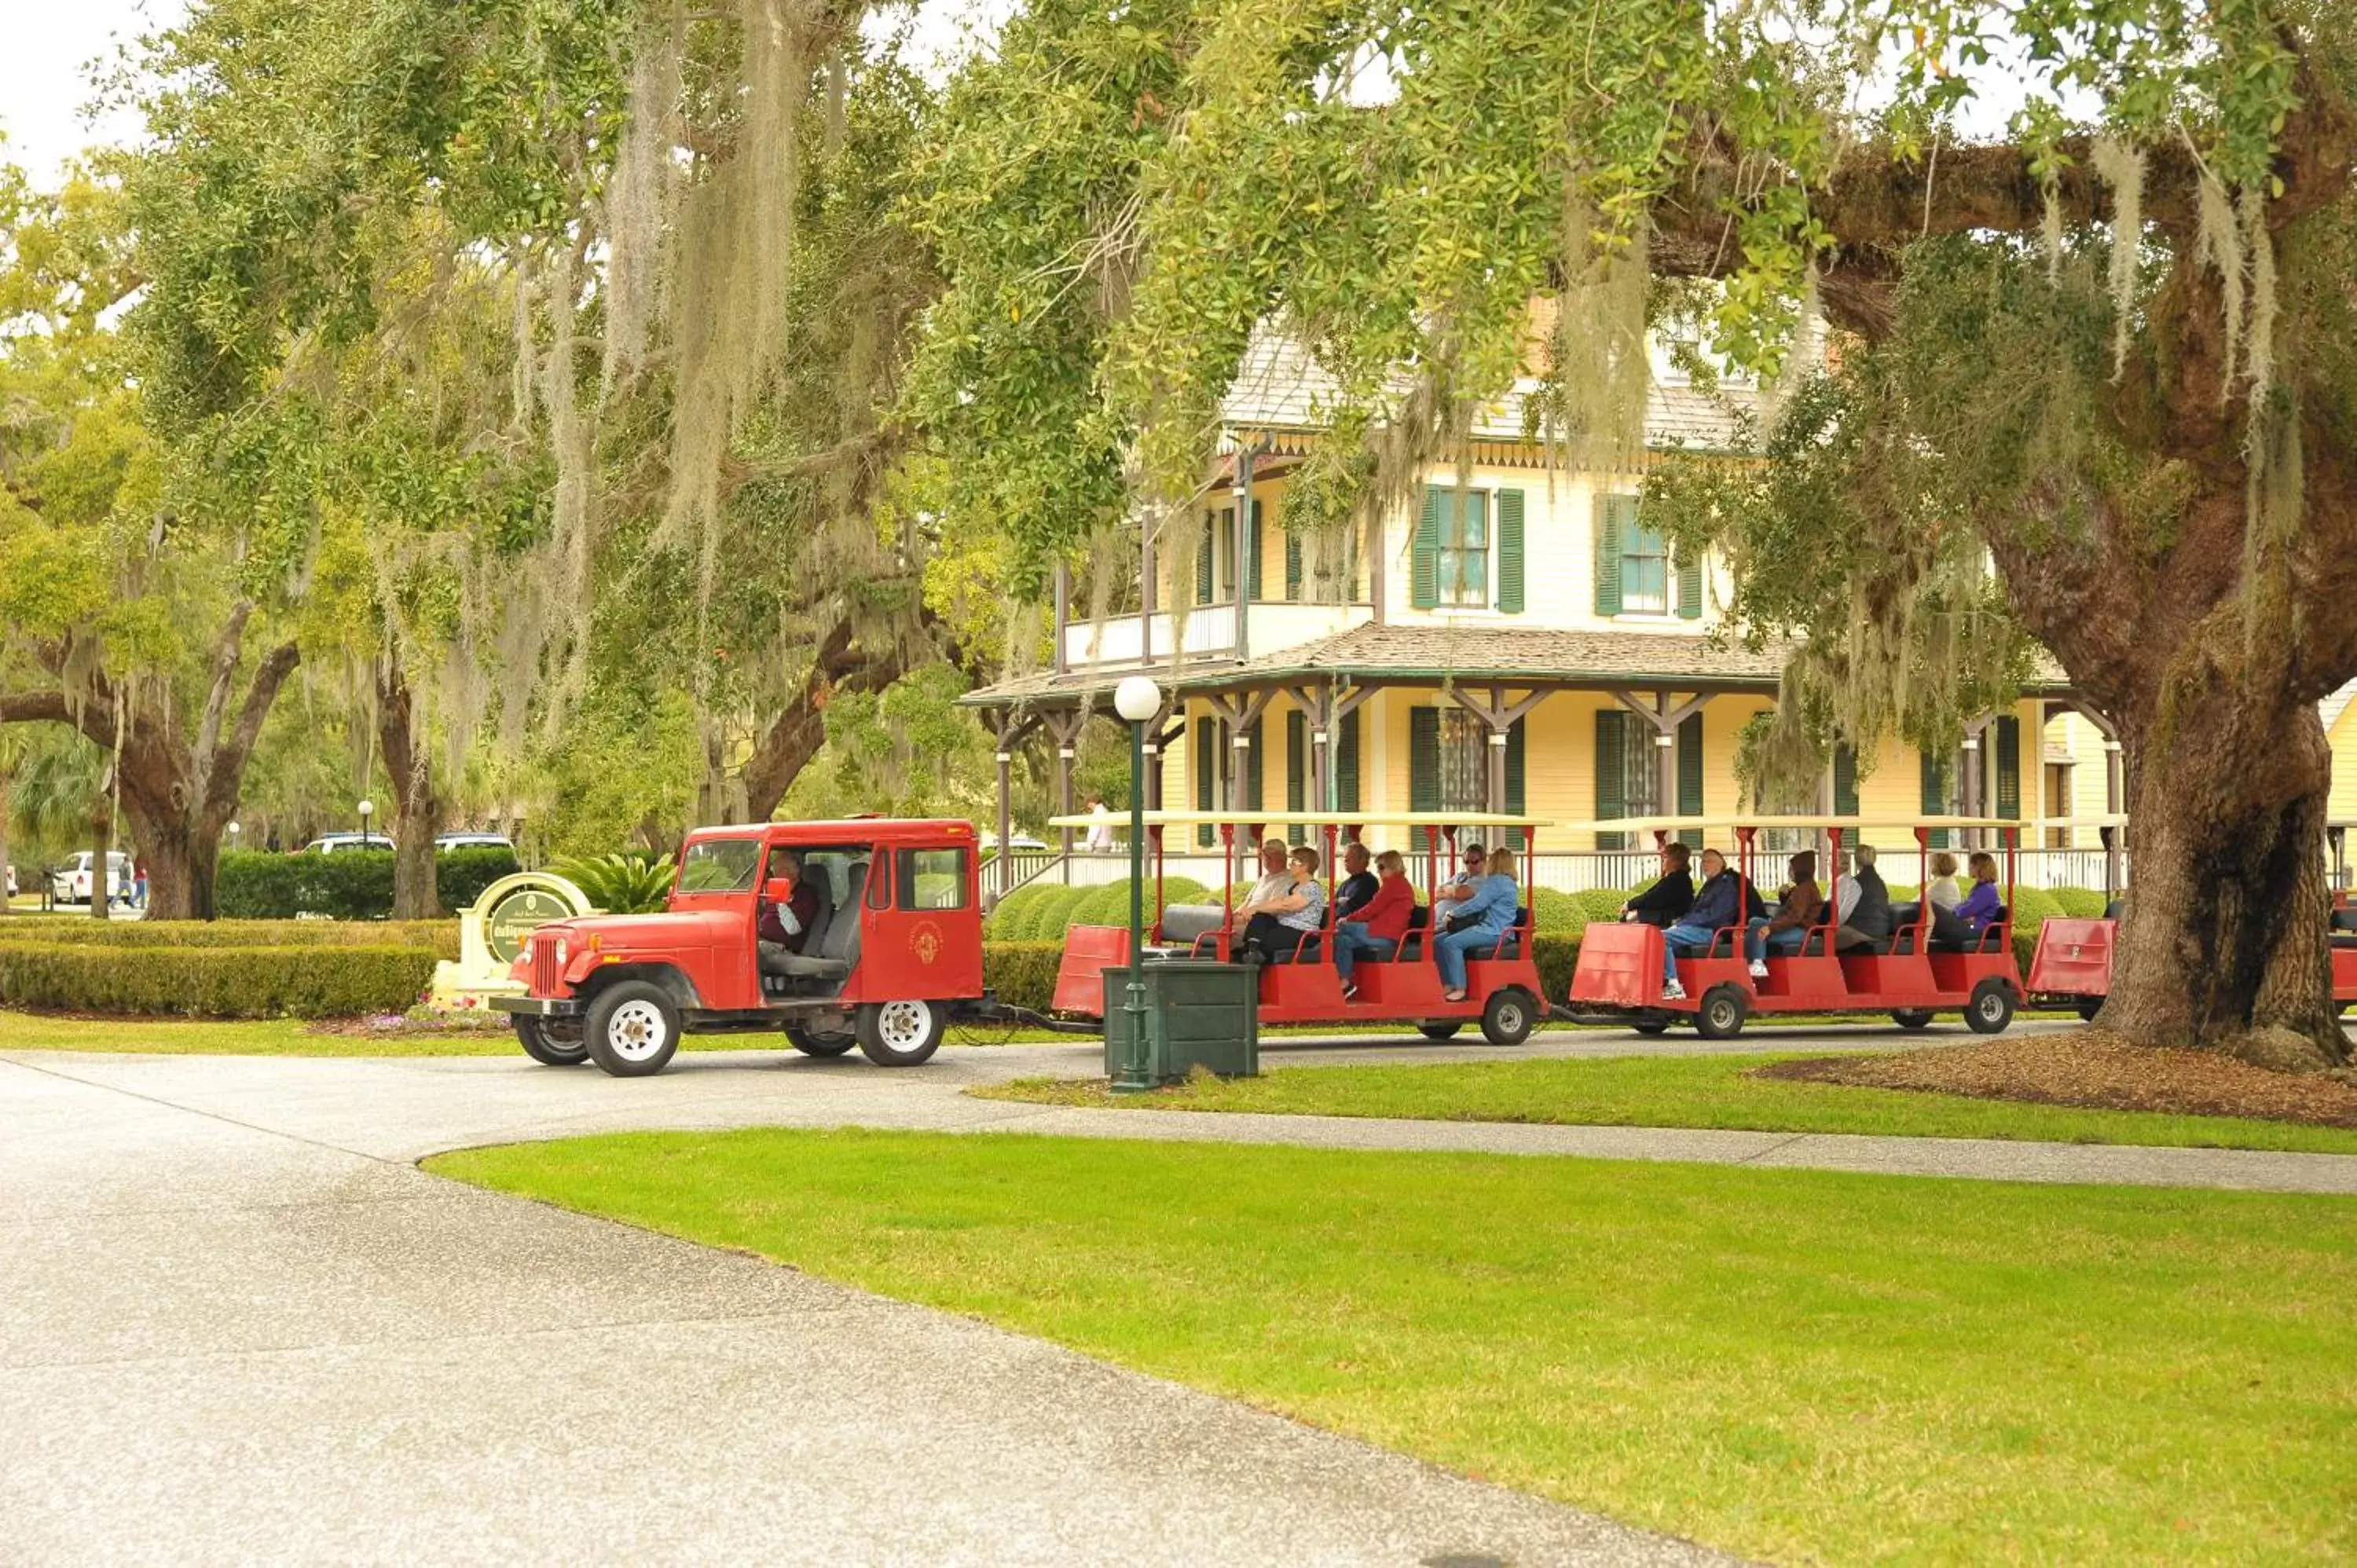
[(2114, 353)]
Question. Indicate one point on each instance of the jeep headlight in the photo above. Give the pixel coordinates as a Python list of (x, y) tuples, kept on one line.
[(561, 953)]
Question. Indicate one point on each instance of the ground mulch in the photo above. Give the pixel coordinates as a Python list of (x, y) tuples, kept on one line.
[(2096, 1069), (395, 1025)]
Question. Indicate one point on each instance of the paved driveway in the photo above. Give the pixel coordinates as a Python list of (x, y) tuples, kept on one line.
[(237, 1325)]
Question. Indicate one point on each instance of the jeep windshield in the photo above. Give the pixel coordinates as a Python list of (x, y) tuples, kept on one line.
[(720, 865)]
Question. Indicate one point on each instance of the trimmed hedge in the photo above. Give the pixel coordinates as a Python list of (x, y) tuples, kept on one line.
[(349, 885), (439, 936), (1558, 914), (2081, 903), (315, 982), (1601, 902)]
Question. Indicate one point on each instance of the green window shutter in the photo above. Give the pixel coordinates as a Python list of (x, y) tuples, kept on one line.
[(1424, 571), (2008, 766), (1690, 590), (1346, 764), (1510, 552), (1607, 554), (1611, 774), (1254, 756), (1252, 554), (1205, 549), (1296, 760), (1515, 798), (1690, 766), (1292, 567), (1423, 759), (1844, 782), (1935, 795), (1207, 776)]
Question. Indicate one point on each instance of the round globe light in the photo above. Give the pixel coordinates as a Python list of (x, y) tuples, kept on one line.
[(1137, 699), (368, 808)]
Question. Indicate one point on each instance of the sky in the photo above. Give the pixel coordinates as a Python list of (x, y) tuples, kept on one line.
[(44, 83)]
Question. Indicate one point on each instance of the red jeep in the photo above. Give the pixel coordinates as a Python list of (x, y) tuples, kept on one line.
[(894, 948)]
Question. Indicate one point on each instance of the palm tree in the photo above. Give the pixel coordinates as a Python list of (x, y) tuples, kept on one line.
[(52, 781)]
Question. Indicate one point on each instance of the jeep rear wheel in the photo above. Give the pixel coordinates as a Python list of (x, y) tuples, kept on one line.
[(820, 1042), (633, 1030), (901, 1033), (551, 1043)]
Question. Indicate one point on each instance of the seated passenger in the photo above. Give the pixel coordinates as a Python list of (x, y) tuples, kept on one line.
[(1665, 903), (1459, 887), (1980, 905), (1277, 924), (1718, 906), (784, 928), (1376, 930), (1476, 924), (1357, 887), (1798, 906), (1942, 890), (1862, 905)]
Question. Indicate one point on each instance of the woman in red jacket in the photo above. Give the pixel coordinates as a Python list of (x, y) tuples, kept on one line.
[(1376, 930)]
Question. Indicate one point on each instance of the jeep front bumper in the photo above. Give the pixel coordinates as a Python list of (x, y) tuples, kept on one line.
[(540, 1007)]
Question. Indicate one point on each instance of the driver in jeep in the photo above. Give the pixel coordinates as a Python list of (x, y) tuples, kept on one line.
[(785, 924)]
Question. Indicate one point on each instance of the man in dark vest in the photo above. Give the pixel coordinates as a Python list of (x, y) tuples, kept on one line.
[(1863, 904)]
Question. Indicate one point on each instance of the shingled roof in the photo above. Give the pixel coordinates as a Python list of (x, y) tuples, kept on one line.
[(1470, 655)]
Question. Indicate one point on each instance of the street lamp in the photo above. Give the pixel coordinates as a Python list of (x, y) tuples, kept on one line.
[(1138, 700), (368, 810), (233, 831)]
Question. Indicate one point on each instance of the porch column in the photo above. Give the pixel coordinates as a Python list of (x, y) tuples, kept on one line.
[(1974, 781), (1064, 729), (1501, 715), (1247, 545), (1665, 719), (1063, 612), (1170, 726), (1238, 714), (2115, 790), (1007, 734)]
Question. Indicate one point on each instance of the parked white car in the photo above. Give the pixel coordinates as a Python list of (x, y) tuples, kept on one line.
[(329, 843), (474, 840), (69, 884)]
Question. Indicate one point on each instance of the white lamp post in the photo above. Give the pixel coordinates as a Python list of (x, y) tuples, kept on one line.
[(368, 810), (1137, 700)]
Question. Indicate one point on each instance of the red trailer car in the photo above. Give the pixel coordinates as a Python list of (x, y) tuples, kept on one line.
[(893, 954), (1907, 974), (1503, 994)]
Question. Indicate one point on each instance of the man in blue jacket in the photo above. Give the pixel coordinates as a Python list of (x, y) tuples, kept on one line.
[(1718, 905)]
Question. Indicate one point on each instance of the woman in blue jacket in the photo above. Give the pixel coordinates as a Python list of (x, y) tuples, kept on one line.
[(1476, 924)]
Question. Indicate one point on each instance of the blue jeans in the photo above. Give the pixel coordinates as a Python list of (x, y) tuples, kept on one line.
[(1759, 942), (1682, 940), (1449, 953), (1350, 940)]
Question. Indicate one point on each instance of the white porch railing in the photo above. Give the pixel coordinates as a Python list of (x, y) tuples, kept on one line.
[(1210, 632)]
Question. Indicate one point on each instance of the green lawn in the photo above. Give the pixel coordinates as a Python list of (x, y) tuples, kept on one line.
[(1675, 1092), (1798, 1365)]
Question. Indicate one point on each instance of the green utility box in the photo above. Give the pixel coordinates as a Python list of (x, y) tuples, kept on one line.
[(1197, 1011)]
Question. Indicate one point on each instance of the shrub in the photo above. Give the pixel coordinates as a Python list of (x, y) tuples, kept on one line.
[(1601, 904), (1558, 914), (322, 980), (1010, 912), (1022, 974), (2081, 903), (2032, 908), (441, 937), (1556, 956), (619, 884), (1109, 904), (1056, 912), (349, 885)]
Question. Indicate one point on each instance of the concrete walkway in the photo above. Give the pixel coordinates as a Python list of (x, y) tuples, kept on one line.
[(237, 1325)]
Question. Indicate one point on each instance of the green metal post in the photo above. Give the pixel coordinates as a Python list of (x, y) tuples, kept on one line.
[(1132, 1078)]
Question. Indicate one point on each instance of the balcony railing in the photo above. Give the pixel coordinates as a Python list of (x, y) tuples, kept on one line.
[(1210, 632)]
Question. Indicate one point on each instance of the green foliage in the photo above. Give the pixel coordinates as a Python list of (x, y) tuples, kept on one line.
[(1558, 914), (318, 981), (2079, 903), (1109, 904), (1022, 973), (2032, 908), (1601, 902), (620, 884), (79, 930), (1056, 908), (349, 885)]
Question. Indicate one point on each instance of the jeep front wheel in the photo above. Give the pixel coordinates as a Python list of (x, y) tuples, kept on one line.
[(633, 1030), (550, 1042), (901, 1033)]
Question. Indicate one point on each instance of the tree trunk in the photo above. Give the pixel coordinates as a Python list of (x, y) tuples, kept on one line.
[(797, 732), (102, 845), (416, 804), (181, 867), (2223, 940), (7, 905)]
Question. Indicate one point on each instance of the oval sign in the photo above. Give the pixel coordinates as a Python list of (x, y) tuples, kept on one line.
[(515, 907)]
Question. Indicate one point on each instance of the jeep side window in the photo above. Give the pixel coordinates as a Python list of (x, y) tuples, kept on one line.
[(720, 866), (932, 879)]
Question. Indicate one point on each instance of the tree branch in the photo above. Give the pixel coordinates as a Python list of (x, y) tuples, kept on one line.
[(226, 649), (221, 788)]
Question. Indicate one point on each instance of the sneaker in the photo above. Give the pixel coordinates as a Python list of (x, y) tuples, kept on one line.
[(1758, 969), (1673, 991), (1350, 991)]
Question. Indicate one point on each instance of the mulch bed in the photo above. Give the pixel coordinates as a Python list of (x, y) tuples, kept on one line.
[(384, 1026), (2094, 1068)]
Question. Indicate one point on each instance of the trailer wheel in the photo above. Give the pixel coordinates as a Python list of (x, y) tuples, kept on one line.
[(1724, 1008), (1507, 1018), (1991, 1008), (1912, 1017), (550, 1044), (900, 1033), (1440, 1030), (633, 1030), (818, 1043), (1651, 1025), (2089, 1008)]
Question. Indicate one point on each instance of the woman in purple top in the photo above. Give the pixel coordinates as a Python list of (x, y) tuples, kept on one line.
[(1980, 904)]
